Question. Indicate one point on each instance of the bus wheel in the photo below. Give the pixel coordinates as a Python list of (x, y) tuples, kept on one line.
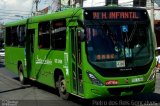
[(21, 75), (62, 88)]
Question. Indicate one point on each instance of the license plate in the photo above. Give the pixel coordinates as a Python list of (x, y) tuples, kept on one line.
[(134, 80)]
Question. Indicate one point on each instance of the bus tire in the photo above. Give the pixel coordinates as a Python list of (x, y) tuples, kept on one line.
[(21, 75), (62, 88)]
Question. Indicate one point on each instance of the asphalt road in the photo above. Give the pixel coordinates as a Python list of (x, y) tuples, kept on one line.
[(12, 93)]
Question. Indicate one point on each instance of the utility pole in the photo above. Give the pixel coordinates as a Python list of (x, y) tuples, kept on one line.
[(37, 2), (152, 14)]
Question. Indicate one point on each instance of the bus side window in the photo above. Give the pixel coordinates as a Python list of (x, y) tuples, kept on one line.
[(14, 37), (44, 35), (59, 40), (8, 36), (21, 35), (58, 35)]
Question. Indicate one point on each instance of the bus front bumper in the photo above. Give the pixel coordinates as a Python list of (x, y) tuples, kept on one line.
[(94, 91)]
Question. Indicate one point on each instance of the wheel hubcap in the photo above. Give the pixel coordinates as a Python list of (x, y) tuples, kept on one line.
[(21, 76), (62, 86)]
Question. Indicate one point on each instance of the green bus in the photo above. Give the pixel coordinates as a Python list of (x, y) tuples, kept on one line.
[(92, 52)]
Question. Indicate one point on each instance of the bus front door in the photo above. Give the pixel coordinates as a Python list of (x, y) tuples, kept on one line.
[(76, 63), (30, 53)]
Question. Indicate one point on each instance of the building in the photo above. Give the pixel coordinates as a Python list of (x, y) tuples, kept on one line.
[(157, 31)]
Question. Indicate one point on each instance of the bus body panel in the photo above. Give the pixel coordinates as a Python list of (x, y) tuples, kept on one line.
[(93, 91), (11, 61)]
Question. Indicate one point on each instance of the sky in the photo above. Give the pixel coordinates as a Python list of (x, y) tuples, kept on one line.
[(11, 10)]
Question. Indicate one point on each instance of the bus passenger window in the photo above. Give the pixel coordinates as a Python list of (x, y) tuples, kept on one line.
[(14, 37), (21, 35), (44, 35), (59, 38), (58, 34), (8, 36)]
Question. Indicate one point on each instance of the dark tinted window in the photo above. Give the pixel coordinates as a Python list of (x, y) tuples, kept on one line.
[(21, 35), (14, 37), (44, 35), (8, 36), (58, 34)]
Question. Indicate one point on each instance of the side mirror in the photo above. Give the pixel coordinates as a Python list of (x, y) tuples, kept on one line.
[(81, 34)]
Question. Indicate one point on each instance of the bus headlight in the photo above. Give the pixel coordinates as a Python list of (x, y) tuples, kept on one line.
[(153, 75), (94, 79)]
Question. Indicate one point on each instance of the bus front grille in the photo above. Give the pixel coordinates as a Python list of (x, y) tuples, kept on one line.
[(118, 91)]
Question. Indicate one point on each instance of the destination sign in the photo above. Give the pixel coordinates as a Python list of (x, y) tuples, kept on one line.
[(115, 15)]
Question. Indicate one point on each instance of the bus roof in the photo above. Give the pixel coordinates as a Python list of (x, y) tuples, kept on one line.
[(71, 12), (57, 15), (19, 22)]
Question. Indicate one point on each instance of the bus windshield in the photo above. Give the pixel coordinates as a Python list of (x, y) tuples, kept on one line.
[(118, 45)]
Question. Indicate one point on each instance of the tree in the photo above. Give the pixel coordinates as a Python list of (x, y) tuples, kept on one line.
[(111, 2)]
